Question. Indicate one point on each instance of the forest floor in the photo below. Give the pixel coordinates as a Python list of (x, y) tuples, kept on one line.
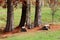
[(32, 34), (17, 31)]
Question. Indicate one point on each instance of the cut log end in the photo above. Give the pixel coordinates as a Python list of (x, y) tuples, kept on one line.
[(46, 27), (23, 29)]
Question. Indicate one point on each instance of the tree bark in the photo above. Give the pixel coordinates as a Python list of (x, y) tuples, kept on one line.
[(23, 15), (37, 20), (28, 21), (10, 17)]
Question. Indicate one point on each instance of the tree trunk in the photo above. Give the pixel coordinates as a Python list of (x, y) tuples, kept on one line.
[(37, 20), (42, 2), (53, 6), (23, 16), (10, 17), (28, 23)]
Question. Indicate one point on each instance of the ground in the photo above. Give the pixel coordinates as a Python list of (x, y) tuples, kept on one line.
[(34, 34)]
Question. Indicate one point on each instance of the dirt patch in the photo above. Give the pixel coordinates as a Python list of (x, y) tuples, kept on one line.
[(52, 28), (55, 27)]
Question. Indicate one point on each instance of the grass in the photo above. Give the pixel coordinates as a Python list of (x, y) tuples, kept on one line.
[(39, 35), (46, 16)]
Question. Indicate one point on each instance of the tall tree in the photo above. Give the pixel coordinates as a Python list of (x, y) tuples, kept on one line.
[(23, 15), (37, 20), (28, 21), (53, 6), (10, 17)]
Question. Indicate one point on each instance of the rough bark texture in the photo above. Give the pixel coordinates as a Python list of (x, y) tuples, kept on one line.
[(37, 20), (23, 15), (28, 21), (10, 17)]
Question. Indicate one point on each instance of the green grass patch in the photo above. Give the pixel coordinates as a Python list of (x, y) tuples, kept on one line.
[(40, 35), (46, 16)]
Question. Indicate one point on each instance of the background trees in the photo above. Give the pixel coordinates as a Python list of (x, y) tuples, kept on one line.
[(53, 5), (25, 16)]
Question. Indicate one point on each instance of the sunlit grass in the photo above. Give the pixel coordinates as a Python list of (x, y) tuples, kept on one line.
[(46, 15), (40, 35)]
